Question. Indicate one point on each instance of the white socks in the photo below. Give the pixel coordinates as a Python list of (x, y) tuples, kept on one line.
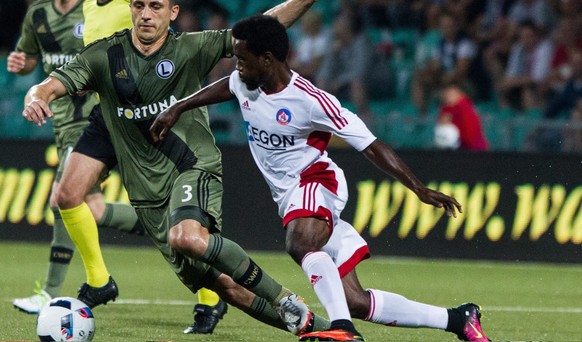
[(393, 309), (327, 284)]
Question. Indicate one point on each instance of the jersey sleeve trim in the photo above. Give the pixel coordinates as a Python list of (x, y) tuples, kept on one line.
[(66, 80)]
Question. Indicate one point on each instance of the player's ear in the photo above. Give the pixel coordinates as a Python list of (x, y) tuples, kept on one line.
[(175, 10), (268, 58)]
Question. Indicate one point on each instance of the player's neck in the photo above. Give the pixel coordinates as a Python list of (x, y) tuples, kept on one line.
[(278, 81), (147, 49), (65, 6)]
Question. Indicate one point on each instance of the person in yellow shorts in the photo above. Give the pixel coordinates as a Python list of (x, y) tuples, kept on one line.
[(52, 34)]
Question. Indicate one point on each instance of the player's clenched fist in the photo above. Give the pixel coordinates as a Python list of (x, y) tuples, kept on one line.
[(16, 61)]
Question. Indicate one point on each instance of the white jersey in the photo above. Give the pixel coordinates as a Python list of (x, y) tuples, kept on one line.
[(289, 131)]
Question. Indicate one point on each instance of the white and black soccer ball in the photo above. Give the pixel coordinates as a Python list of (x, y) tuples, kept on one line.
[(447, 136), (65, 319)]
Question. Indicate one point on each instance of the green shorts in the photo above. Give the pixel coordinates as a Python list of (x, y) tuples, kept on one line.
[(195, 195)]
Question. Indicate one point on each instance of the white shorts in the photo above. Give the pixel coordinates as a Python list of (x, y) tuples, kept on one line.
[(324, 196)]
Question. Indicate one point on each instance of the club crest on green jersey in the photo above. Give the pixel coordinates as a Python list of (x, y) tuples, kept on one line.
[(78, 30), (165, 68)]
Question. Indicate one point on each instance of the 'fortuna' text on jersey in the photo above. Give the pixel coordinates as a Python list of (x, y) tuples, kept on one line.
[(146, 111)]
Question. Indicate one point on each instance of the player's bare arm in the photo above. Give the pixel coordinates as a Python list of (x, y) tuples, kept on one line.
[(289, 11), (388, 161), (214, 93), (38, 97), (17, 62)]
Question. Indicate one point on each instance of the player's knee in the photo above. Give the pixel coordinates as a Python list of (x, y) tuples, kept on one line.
[(296, 250), (188, 240), (67, 198), (53, 199)]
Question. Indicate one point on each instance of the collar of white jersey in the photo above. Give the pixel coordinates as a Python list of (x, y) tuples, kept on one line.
[(294, 76)]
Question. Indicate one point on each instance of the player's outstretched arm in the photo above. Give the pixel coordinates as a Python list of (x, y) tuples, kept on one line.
[(388, 161), (214, 93), (38, 97), (289, 11)]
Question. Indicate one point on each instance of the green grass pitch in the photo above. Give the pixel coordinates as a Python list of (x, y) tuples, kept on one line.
[(521, 301)]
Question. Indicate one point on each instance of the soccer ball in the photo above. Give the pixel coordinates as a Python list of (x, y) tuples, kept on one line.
[(65, 319), (447, 136)]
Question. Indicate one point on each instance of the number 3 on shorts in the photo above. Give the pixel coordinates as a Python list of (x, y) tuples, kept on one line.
[(187, 192)]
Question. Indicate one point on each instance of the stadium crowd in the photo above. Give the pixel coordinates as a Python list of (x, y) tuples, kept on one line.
[(518, 61)]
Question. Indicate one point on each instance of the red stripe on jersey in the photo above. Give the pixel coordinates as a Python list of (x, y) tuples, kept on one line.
[(318, 173), (321, 213), (359, 255), (327, 100), (328, 107), (319, 140)]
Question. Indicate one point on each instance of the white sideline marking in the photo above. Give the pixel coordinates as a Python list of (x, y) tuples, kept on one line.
[(531, 309), (319, 306)]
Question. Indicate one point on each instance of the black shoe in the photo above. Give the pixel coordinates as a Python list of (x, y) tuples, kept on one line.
[(93, 296), (471, 329), (206, 318)]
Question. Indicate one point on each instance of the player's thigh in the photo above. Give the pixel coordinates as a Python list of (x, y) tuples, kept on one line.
[(197, 195), (80, 175), (192, 273), (346, 247), (65, 140), (93, 156), (95, 142), (307, 233)]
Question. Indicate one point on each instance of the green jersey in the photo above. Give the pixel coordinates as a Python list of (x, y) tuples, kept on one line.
[(55, 38), (134, 88)]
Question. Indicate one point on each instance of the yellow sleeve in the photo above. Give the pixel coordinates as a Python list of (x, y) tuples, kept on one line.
[(104, 20)]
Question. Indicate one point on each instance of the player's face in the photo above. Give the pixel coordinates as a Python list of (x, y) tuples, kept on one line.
[(151, 19), (251, 68)]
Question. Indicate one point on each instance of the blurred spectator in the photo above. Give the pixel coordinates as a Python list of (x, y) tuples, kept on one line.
[(528, 66), (565, 104), (537, 11), (392, 14), (569, 8), (346, 64), (567, 38), (458, 109), (497, 34), (11, 15), (311, 46), (218, 20), (430, 37), (451, 61), (187, 21)]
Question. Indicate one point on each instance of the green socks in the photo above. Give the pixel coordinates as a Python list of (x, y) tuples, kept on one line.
[(229, 258)]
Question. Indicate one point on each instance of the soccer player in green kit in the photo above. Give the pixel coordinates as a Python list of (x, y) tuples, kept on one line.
[(52, 33), (175, 186), (102, 19)]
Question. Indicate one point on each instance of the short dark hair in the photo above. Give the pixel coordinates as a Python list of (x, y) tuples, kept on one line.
[(263, 33)]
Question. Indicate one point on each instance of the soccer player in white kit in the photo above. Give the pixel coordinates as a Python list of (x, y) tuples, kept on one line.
[(289, 124)]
